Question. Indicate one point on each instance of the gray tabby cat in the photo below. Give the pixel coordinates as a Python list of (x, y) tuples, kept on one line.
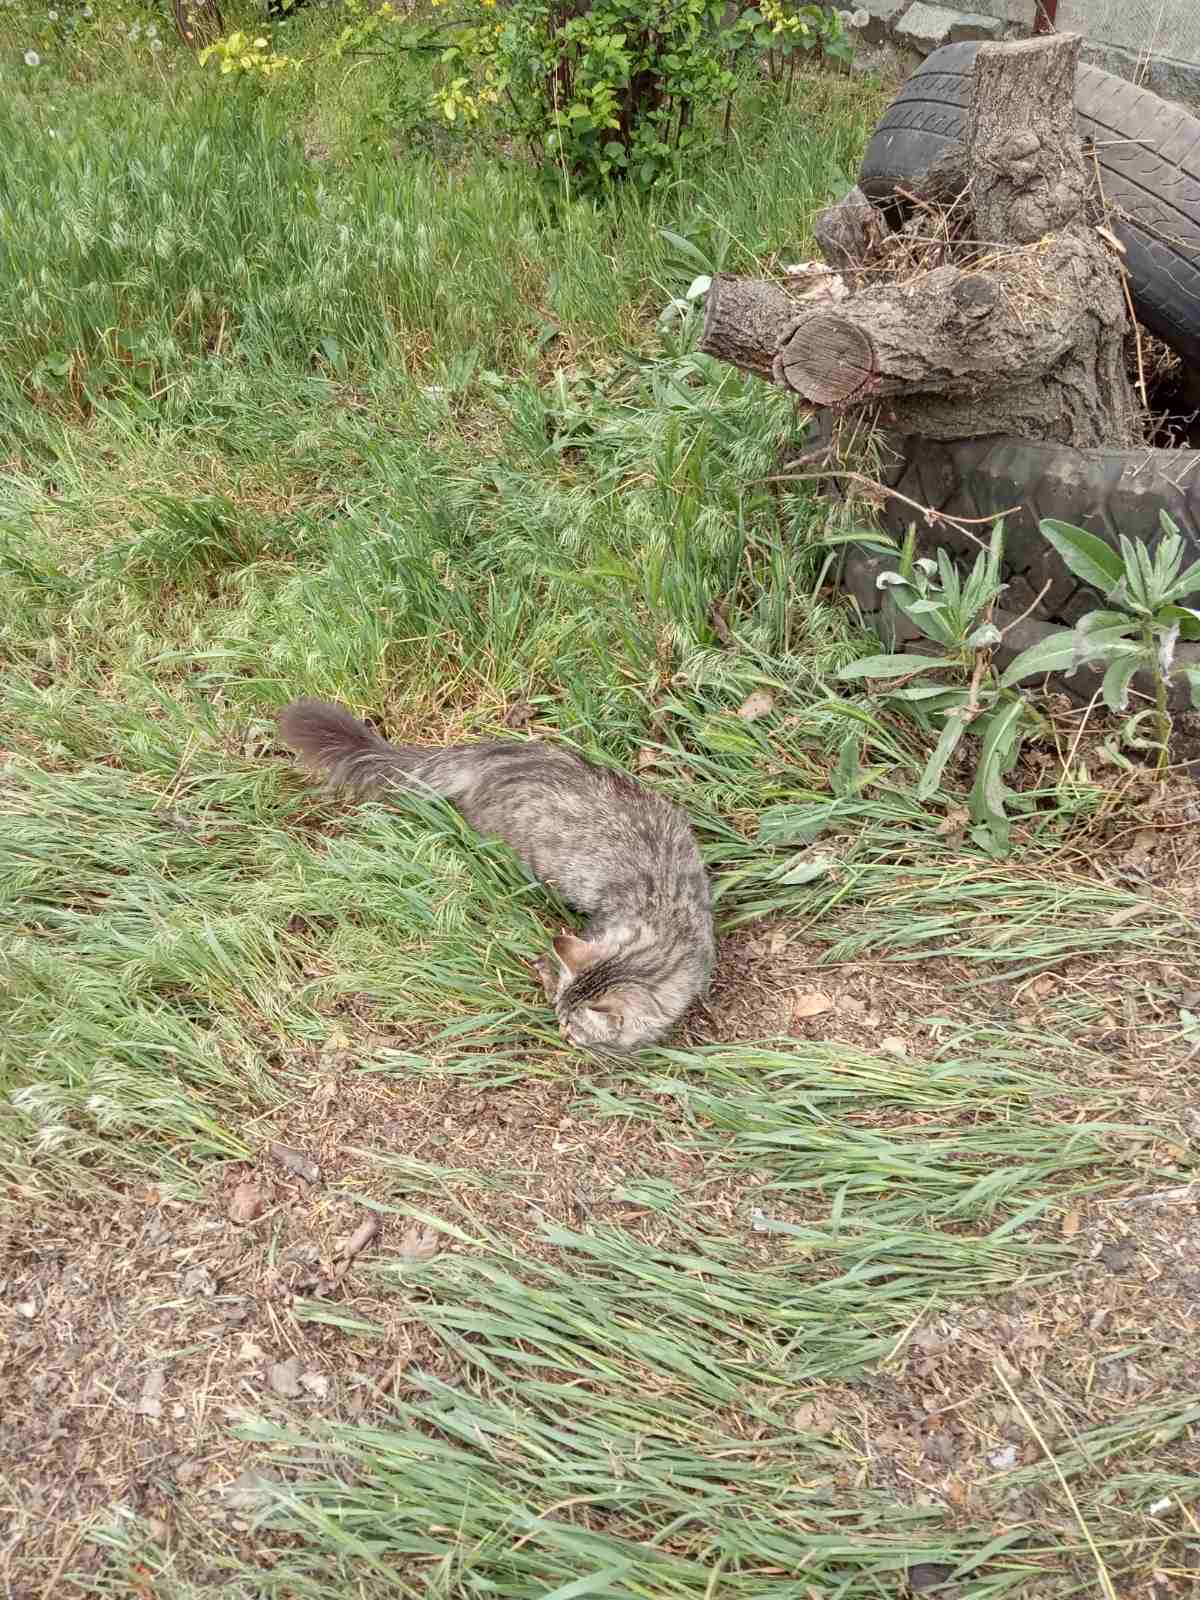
[(625, 857)]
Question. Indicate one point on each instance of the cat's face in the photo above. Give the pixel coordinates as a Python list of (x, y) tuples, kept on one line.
[(624, 1018), (621, 1016)]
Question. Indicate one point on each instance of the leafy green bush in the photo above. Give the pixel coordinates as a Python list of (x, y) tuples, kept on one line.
[(790, 30), (618, 88), (597, 91)]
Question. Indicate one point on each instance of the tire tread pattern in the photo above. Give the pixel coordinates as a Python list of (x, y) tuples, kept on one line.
[(1109, 492)]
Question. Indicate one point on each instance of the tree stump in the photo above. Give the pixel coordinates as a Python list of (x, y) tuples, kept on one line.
[(999, 308)]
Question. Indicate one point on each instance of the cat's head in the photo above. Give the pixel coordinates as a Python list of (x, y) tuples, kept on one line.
[(604, 1005)]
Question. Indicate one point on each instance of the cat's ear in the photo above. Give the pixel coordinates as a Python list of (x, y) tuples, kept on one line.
[(576, 955)]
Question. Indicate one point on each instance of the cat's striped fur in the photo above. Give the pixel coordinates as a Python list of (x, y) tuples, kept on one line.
[(624, 857)]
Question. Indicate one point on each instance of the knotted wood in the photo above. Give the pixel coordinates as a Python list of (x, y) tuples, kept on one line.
[(1019, 329)]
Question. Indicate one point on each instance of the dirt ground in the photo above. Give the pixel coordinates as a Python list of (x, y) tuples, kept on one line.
[(134, 1328)]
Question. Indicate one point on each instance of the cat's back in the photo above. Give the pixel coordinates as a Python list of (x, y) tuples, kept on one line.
[(581, 826), (603, 799)]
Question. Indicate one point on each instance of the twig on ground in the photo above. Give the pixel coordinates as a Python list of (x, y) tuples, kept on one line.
[(1031, 607), (358, 1241), (716, 615), (932, 517), (1101, 1570)]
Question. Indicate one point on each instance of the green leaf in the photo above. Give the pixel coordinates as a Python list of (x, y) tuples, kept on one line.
[(1138, 576), (1000, 739), (1129, 731), (1107, 620), (929, 617), (943, 750), (1188, 619), (991, 837), (795, 824), (592, 1583), (806, 871), (987, 634), (876, 543), (951, 693), (846, 778), (1105, 644), (332, 351), (892, 666), (686, 248), (1115, 688), (1087, 555), (1055, 653), (725, 735), (1187, 583), (1191, 676)]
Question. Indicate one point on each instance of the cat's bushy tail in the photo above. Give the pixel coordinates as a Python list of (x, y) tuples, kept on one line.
[(352, 755)]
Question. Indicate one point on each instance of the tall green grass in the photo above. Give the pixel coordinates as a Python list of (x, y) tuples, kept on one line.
[(201, 244)]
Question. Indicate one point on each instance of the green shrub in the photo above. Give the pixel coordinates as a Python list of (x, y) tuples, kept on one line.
[(957, 691), (596, 91), (616, 88), (1140, 630)]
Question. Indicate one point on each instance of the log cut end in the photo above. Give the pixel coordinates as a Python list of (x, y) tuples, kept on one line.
[(828, 360)]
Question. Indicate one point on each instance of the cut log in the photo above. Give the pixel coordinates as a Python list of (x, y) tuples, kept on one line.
[(754, 312), (1018, 330), (1026, 164)]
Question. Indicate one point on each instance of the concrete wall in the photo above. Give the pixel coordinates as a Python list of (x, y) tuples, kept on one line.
[(1147, 27), (1156, 27), (1019, 12)]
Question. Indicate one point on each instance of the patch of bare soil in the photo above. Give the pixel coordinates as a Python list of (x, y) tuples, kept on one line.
[(135, 1330), (772, 984), (966, 1414), (132, 1334)]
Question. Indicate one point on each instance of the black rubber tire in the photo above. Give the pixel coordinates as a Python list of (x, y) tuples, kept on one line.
[(1149, 155), (1108, 492)]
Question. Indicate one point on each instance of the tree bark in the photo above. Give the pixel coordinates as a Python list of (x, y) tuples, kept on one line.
[(753, 313), (1019, 334), (1026, 164)]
